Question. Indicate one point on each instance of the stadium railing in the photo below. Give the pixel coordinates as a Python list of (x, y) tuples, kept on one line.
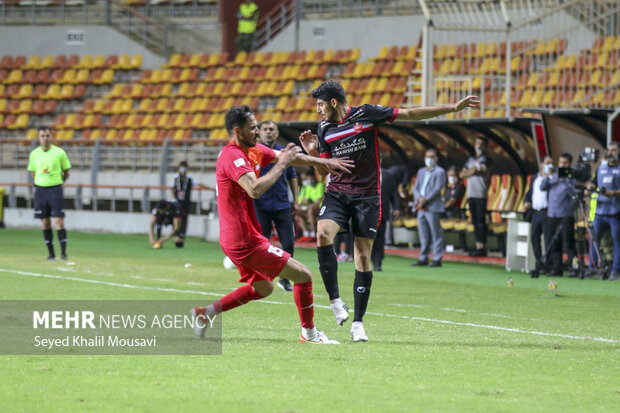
[(120, 155), (113, 198)]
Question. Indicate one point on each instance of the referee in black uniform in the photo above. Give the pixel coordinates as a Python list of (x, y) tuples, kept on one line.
[(50, 166)]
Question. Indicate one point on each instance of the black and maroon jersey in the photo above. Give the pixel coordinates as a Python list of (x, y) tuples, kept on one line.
[(356, 137)]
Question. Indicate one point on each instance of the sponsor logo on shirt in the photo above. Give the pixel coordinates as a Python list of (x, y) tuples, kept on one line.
[(239, 162), (355, 145)]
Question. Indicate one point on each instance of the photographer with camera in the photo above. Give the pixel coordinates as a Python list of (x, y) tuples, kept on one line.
[(607, 215), (536, 203), (561, 214)]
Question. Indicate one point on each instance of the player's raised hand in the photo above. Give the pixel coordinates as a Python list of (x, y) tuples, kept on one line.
[(309, 141), (337, 166), (289, 154), (468, 102)]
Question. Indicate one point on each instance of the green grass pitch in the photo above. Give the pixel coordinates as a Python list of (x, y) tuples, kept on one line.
[(452, 339)]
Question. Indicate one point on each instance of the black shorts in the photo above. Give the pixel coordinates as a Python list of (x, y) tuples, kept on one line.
[(363, 210), (49, 201)]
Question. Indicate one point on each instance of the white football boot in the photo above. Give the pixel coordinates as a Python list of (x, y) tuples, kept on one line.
[(340, 309), (357, 331), (316, 337)]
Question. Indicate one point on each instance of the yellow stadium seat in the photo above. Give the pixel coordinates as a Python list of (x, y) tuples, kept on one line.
[(175, 60), (24, 106), (46, 62), (34, 62), (136, 61), (86, 62), (25, 91)]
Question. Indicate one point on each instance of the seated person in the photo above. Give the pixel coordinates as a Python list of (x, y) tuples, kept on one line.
[(310, 198), (165, 213)]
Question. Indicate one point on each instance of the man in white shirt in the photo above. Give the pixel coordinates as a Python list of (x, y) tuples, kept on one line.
[(537, 201)]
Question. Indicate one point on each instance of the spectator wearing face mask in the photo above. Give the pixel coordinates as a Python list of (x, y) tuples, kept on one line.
[(453, 195), (476, 170), (428, 202)]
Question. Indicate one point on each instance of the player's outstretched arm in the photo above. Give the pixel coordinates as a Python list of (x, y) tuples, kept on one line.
[(323, 166), (433, 111), (255, 187), (330, 165)]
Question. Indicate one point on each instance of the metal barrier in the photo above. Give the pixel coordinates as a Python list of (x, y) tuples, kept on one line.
[(120, 155), (76, 194)]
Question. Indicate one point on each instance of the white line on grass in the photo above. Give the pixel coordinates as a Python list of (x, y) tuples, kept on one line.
[(431, 320)]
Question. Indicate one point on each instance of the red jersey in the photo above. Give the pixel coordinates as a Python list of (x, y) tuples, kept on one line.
[(239, 227)]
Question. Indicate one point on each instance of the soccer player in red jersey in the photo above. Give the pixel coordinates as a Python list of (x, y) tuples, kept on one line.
[(352, 132), (237, 170)]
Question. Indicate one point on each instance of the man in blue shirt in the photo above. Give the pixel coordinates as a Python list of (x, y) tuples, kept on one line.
[(274, 207), (608, 203), (561, 215)]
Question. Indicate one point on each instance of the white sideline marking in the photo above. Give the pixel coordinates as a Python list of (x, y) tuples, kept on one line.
[(432, 320)]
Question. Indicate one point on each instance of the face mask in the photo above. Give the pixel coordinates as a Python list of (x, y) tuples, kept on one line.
[(182, 170), (429, 162), (548, 168), (306, 182), (478, 151), (452, 180)]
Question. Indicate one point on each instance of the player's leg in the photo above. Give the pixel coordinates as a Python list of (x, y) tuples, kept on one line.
[(333, 216), (302, 291), (283, 221), (365, 222), (361, 286)]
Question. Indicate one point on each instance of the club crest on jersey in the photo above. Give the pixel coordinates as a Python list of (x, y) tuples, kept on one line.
[(239, 162), (357, 128)]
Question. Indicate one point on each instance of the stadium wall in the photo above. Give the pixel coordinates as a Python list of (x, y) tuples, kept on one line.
[(64, 40), (206, 227)]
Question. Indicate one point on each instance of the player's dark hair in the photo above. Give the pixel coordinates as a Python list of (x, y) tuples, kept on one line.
[(454, 168), (267, 122), (568, 156), (237, 116), (43, 127), (183, 163), (330, 90)]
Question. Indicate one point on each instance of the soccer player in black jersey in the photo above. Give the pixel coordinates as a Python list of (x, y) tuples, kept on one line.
[(352, 132)]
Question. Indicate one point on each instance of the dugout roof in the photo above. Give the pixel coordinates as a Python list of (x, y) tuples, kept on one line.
[(511, 145)]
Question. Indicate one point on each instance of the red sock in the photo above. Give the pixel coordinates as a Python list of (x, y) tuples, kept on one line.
[(305, 303), (240, 296)]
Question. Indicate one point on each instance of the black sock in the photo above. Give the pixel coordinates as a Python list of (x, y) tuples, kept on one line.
[(62, 238), (328, 266), (361, 293), (49, 241)]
